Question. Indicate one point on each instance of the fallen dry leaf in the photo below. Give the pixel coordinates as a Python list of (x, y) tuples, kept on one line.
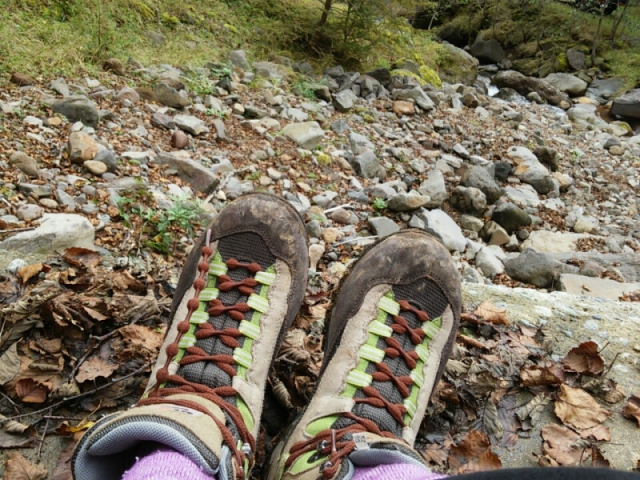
[(535, 375), (27, 273), (492, 314), (49, 379), (560, 446), (584, 359), (473, 454), (597, 459), (632, 408), (599, 433), (577, 408), (82, 257), (471, 342), (9, 364), (30, 391), (9, 290), (436, 455), (95, 366), (19, 468)]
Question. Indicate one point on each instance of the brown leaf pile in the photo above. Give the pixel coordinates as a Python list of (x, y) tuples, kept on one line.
[(499, 381), (70, 327)]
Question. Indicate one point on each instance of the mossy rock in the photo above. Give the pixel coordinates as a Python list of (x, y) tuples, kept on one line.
[(430, 76), (527, 66), (323, 159), (561, 63), (457, 66)]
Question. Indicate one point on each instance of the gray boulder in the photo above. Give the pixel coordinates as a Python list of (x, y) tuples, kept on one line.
[(548, 156), (627, 105), (443, 227), (576, 59), (457, 66), (306, 134), (478, 177), (191, 124), (383, 226), (170, 97), (536, 268), (238, 58), (585, 115), (344, 100), (435, 188), (510, 217), (406, 203), (530, 170), (468, 200), (57, 231), (192, 172), (525, 85), (487, 51), (366, 164), (603, 90), (78, 109), (567, 83)]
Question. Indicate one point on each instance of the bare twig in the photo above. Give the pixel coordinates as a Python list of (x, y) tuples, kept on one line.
[(80, 395), (101, 339), (44, 434)]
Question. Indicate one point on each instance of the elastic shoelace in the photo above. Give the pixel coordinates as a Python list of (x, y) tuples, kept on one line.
[(332, 443), (228, 336)]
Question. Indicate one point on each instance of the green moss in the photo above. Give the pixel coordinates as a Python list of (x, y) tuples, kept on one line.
[(323, 159), (169, 20), (562, 63), (430, 76)]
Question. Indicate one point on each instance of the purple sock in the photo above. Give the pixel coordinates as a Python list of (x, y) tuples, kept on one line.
[(394, 471), (165, 464)]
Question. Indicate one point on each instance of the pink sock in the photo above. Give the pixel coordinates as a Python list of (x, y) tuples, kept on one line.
[(394, 471), (165, 464)]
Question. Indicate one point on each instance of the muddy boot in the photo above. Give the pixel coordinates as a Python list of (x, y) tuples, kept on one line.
[(239, 292), (391, 332)]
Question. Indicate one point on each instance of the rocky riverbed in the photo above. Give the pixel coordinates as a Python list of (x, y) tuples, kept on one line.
[(531, 200)]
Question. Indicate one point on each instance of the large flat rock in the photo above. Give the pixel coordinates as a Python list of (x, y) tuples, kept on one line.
[(56, 232), (568, 320), (554, 242), (596, 287)]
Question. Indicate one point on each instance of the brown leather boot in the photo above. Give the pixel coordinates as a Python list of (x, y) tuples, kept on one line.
[(391, 332), (239, 292)]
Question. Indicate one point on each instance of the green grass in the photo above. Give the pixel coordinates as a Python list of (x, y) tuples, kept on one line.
[(74, 37)]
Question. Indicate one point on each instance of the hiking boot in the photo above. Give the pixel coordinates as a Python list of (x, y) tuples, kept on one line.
[(391, 332), (239, 292)]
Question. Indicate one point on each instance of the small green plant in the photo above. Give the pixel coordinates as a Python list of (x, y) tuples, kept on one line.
[(159, 229), (253, 176), (201, 85), (379, 204), (220, 71), (212, 112), (304, 89)]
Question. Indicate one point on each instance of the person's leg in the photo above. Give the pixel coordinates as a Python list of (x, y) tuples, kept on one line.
[(390, 334), (239, 292)]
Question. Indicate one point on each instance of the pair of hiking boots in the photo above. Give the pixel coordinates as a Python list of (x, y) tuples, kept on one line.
[(391, 331)]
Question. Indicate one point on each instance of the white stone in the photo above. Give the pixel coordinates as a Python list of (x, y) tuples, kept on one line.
[(57, 231)]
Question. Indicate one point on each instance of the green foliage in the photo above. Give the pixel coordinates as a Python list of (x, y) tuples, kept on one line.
[(159, 229), (379, 204), (169, 20), (201, 85), (303, 88)]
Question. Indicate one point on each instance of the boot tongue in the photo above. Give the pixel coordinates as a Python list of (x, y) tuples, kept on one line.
[(388, 390)]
